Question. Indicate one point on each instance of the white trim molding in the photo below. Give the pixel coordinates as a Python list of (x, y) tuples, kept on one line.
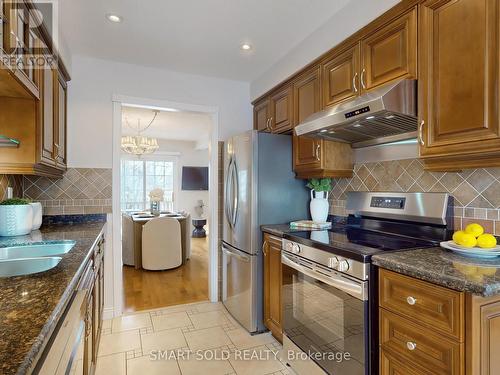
[(118, 102)]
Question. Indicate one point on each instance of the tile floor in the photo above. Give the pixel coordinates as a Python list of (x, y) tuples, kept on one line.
[(183, 340)]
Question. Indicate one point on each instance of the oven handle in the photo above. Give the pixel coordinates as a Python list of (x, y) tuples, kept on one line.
[(357, 289)]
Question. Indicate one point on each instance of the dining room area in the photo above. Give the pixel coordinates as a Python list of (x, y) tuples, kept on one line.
[(164, 209)]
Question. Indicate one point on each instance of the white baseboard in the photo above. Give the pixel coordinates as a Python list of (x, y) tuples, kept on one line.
[(108, 313)]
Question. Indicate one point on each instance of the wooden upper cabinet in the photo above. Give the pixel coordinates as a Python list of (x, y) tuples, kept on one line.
[(341, 77), (261, 116), (60, 101), (46, 117), (459, 49), (281, 110), (306, 101), (390, 52)]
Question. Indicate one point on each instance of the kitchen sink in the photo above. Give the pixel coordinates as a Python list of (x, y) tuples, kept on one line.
[(36, 250), (27, 266)]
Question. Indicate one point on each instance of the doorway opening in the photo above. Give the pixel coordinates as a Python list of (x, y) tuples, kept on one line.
[(164, 165)]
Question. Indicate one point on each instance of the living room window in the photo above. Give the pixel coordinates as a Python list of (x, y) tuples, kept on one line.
[(139, 177)]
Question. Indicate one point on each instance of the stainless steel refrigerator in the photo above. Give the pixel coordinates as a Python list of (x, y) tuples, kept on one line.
[(259, 188)]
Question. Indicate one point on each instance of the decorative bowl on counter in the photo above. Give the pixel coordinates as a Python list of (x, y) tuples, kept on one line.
[(471, 251), (16, 217)]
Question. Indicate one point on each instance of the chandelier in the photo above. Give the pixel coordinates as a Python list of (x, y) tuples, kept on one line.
[(138, 144)]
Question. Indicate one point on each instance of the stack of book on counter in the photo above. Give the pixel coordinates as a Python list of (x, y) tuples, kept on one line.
[(309, 224)]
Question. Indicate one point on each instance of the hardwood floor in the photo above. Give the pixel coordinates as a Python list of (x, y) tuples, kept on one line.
[(143, 290)]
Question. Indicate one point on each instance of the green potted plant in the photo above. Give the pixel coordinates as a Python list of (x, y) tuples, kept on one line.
[(16, 217), (319, 198)]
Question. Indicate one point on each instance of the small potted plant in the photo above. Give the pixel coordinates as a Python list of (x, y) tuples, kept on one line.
[(16, 217), (156, 196), (319, 198)]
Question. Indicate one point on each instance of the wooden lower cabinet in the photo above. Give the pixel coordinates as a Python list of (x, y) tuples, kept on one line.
[(414, 340), (271, 249), (74, 345), (483, 335)]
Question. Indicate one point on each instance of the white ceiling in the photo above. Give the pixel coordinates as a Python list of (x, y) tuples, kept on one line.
[(180, 126), (194, 36)]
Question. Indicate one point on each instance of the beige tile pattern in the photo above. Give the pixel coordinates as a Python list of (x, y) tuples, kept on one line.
[(79, 191), (13, 181), (476, 191), (205, 340)]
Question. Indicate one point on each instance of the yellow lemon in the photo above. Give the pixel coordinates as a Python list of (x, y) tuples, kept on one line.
[(457, 236), (487, 271), (475, 229), (486, 241), (468, 240)]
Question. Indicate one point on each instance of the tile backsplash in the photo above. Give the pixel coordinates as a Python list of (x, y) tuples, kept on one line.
[(14, 181), (79, 191), (476, 191)]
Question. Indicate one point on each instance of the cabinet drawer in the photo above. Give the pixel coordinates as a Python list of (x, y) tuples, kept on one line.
[(389, 365), (433, 306), (426, 348)]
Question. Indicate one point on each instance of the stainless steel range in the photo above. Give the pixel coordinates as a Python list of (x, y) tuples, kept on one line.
[(330, 287)]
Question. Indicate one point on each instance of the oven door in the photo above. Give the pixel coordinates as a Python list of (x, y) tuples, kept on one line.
[(325, 316)]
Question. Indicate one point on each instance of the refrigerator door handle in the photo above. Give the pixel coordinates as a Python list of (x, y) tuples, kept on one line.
[(235, 253), (236, 188), (229, 185)]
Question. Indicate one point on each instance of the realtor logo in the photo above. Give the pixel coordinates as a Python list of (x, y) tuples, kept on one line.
[(30, 34)]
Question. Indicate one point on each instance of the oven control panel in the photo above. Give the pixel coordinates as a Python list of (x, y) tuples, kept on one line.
[(397, 203), (328, 260)]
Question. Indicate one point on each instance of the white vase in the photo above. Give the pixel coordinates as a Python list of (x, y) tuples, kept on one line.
[(16, 220), (37, 215), (319, 206)]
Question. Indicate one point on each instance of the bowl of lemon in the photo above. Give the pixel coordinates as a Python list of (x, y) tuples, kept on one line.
[(473, 242)]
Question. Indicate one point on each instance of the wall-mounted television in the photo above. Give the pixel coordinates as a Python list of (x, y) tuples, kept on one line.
[(194, 178)]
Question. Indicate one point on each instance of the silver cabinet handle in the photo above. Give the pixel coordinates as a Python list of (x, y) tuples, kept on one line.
[(264, 247), (411, 300), (411, 345), (267, 124), (271, 123), (363, 78), (354, 82), (318, 149), (421, 133)]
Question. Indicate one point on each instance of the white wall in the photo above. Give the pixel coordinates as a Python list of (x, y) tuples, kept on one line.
[(95, 81), (191, 157), (346, 22)]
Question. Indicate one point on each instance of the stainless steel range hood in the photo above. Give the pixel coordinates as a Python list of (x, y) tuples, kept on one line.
[(385, 114)]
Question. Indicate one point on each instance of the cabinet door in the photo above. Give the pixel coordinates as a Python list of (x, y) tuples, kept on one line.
[(272, 285), (341, 77), (46, 116), (261, 116), (281, 111), (60, 144), (88, 352), (459, 78), (389, 365), (306, 101), (390, 52)]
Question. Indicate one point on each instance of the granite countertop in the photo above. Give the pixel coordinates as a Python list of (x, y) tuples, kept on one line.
[(280, 229), (31, 305), (442, 267)]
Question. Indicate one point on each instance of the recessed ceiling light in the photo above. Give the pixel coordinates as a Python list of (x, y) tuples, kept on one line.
[(246, 47), (323, 131), (357, 125), (113, 18), (370, 117)]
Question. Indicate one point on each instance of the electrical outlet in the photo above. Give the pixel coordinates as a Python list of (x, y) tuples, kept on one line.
[(10, 193)]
